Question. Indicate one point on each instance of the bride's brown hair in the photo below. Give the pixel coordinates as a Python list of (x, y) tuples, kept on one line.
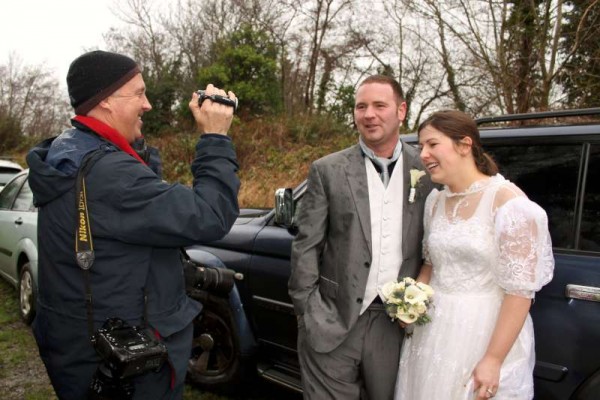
[(458, 125)]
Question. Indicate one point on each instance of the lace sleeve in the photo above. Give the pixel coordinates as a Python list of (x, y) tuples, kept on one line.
[(430, 204), (525, 262)]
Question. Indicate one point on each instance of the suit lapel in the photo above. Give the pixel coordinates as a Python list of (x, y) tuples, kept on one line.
[(357, 179), (410, 161)]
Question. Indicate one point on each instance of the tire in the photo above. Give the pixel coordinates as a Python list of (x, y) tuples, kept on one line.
[(215, 362), (27, 294)]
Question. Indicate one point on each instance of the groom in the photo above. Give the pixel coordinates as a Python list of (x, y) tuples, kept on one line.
[(357, 231)]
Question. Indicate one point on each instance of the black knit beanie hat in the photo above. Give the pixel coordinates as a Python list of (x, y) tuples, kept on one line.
[(94, 76)]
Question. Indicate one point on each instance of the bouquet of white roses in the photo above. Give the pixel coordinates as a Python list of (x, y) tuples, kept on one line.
[(408, 300)]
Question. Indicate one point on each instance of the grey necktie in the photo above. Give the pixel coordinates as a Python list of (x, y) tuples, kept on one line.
[(383, 164)]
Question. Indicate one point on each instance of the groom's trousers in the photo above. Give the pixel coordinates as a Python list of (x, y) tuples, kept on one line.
[(364, 366)]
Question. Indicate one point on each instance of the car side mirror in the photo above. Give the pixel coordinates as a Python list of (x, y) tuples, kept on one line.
[(284, 207)]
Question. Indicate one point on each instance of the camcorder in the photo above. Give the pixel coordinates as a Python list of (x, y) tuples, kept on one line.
[(126, 352), (217, 99)]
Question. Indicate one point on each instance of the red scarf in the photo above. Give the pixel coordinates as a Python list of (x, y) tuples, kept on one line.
[(109, 134)]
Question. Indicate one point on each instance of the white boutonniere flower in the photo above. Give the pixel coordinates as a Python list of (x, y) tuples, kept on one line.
[(415, 177)]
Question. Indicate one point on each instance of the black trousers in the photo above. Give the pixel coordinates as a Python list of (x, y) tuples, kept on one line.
[(71, 360)]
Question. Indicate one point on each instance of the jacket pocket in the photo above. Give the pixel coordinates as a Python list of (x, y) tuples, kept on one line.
[(327, 287), (168, 323)]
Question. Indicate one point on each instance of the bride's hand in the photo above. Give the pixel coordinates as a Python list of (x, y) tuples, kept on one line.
[(486, 377)]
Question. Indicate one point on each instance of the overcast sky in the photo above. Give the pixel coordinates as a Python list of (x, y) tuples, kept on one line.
[(53, 32)]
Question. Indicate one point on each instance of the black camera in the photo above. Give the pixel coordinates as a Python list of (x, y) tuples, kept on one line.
[(126, 351), (217, 99), (217, 281)]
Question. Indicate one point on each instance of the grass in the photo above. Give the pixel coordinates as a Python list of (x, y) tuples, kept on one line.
[(22, 374)]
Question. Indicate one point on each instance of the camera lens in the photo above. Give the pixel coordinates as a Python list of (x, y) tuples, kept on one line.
[(216, 280)]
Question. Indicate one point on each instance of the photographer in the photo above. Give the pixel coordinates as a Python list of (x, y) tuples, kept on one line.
[(137, 223)]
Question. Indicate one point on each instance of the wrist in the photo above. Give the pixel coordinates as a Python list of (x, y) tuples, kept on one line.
[(493, 358), (215, 135)]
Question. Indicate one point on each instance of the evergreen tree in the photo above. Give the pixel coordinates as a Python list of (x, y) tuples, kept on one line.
[(164, 92), (246, 63)]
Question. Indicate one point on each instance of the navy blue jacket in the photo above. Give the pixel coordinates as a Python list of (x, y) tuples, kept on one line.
[(138, 224)]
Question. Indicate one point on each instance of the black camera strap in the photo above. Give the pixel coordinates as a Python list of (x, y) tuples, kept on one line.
[(84, 247)]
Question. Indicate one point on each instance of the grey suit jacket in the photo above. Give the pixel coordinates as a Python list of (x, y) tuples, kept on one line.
[(331, 255)]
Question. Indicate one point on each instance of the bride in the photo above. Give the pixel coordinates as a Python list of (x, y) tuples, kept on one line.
[(487, 251)]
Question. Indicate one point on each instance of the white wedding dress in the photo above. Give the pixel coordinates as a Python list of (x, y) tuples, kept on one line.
[(482, 243)]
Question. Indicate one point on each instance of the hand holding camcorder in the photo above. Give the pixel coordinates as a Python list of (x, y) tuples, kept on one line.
[(218, 99), (216, 116)]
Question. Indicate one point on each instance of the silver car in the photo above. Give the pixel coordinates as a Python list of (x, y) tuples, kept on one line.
[(18, 242), (8, 170)]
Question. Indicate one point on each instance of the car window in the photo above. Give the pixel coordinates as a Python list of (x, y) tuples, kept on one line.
[(10, 191), (589, 237), (6, 174), (24, 200), (548, 175)]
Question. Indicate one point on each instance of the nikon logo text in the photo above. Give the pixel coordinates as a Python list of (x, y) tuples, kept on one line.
[(82, 222)]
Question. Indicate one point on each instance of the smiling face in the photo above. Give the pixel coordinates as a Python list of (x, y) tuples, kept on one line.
[(443, 158), (378, 117), (125, 107)]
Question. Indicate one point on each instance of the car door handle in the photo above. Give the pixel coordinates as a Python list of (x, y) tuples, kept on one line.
[(19, 221), (579, 292)]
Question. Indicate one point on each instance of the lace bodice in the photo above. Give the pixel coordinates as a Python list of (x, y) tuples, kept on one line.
[(490, 237)]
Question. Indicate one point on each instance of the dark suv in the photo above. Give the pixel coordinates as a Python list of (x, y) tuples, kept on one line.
[(557, 165)]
